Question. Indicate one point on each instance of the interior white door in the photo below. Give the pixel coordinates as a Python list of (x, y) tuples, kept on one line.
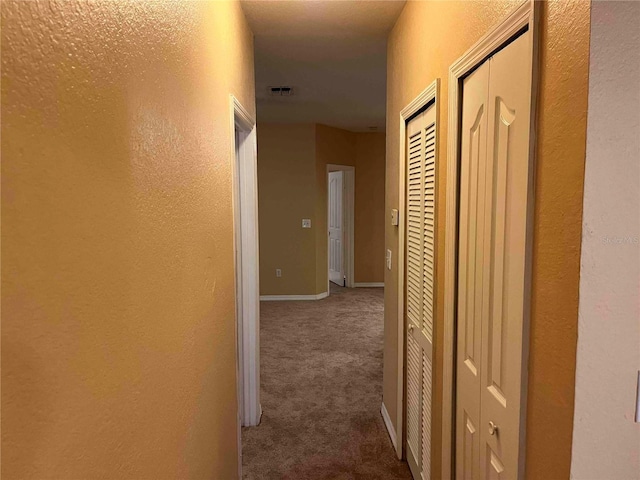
[(336, 243), (470, 272), (492, 282), (419, 281), (506, 215)]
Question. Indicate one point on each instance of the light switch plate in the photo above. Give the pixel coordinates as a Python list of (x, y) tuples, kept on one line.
[(394, 217), (306, 223)]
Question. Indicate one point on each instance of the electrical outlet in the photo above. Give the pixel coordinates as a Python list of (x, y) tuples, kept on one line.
[(278, 272), (306, 223)]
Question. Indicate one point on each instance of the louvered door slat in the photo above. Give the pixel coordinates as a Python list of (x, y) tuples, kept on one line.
[(429, 231), (413, 395), (426, 417), (415, 227)]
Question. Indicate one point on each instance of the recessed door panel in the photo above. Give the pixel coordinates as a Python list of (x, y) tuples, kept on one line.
[(469, 453), (495, 468)]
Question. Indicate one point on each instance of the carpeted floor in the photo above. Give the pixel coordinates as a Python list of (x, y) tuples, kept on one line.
[(321, 377)]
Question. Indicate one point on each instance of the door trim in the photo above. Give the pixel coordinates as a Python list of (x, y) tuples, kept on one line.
[(427, 96), (348, 218), (525, 16), (247, 271)]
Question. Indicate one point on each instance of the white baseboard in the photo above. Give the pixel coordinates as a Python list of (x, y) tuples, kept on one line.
[(369, 284), (280, 298), (387, 423)]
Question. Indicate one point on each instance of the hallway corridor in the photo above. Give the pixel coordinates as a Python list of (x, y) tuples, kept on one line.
[(322, 391)]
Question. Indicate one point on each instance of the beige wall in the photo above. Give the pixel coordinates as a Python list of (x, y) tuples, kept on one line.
[(118, 344), (286, 195), (606, 440), (292, 185), (425, 41), (370, 218)]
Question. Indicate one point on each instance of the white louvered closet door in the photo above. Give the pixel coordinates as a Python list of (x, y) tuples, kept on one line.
[(420, 266)]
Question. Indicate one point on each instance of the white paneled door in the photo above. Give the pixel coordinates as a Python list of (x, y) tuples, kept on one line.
[(494, 189), (336, 241), (420, 264)]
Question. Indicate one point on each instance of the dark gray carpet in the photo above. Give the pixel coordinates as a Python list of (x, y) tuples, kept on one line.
[(321, 392)]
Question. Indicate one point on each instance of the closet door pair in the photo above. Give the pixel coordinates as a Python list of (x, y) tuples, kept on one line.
[(492, 256)]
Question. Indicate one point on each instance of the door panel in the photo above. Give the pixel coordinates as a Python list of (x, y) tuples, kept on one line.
[(506, 217), (420, 294), (469, 455), (495, 468), (470, 270), (336, 246)]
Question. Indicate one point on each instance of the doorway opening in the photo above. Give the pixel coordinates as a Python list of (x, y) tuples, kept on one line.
[(336, 243), (340, 223), (245, 211)]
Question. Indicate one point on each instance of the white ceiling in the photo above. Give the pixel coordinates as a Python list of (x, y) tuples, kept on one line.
[(333, 54)]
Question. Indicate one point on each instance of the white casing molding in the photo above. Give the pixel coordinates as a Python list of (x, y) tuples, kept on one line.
[(244, 162), (245, 207)]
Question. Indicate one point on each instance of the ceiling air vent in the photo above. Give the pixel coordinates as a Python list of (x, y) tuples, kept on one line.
[(281, 91)]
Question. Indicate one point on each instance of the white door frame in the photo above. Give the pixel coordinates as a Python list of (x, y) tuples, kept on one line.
[(525, 16), (348, 220), (245, 189), (427, 96)]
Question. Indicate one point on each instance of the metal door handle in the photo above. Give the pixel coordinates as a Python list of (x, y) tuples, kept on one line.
[(411, 327), (493, 428)]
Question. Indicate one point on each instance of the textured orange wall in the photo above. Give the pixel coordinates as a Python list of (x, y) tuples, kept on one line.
[(561, 152), (118, 343), (425, 41), (369, 220)]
